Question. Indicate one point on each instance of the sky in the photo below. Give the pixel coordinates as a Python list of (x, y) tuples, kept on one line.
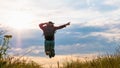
[(94, 25)]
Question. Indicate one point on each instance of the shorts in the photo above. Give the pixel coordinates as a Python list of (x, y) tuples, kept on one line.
[(49, 45)]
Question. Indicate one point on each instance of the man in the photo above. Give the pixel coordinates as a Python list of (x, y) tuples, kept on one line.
[(49, 34)]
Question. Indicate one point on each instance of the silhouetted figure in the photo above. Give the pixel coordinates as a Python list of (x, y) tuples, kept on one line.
[(49, 34)]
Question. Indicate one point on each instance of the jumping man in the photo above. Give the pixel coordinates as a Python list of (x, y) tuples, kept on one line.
[(49, 30)]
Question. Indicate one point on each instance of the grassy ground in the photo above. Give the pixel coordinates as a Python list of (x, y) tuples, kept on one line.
[(11, 62), (109, 61)]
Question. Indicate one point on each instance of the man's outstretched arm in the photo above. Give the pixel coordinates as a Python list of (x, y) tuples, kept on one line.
[(62, 26)]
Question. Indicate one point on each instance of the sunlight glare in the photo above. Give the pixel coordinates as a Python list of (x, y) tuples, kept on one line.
[(19, 26), (19, 20)]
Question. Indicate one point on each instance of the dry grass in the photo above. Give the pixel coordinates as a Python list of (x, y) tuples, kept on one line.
[(109, 61), (12, 62)]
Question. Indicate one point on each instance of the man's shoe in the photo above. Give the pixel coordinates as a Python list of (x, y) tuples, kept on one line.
[(47, 52)]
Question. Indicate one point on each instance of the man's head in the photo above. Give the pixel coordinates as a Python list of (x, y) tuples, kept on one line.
[(50, 23)]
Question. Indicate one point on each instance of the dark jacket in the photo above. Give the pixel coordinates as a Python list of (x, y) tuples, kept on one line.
[(49, 31)]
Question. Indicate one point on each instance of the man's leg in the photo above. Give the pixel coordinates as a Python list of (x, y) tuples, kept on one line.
[(52, 44), (47, 47)]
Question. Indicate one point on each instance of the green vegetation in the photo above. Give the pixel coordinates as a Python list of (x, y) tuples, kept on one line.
[(109, 61), (12, 62)]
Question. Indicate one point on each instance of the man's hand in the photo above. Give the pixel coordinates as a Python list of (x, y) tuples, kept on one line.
[(68, 23)]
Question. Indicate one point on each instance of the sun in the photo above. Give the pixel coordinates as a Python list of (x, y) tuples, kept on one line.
[(19, 20), (19, 26)]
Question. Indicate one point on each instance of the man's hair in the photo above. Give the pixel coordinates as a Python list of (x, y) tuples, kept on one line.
[(50, 22)]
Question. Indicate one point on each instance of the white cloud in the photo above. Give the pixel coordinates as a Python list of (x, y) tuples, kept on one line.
[(111, 35), (26, 51), (70, 47), (60, 12), (108, 19), (115, 30), (60, 50), (112, 2)]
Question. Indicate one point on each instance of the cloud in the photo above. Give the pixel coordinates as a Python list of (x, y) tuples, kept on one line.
[(58, 11), (86, 48), (111, 34), (59, 49), (112, 37), (108, 19), (32, 50), (111, 2)]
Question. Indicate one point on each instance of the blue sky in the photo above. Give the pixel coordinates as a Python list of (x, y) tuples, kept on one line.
[(94, 25)]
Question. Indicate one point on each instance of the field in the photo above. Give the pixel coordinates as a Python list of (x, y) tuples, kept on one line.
[(12, 62), (109, 61)]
